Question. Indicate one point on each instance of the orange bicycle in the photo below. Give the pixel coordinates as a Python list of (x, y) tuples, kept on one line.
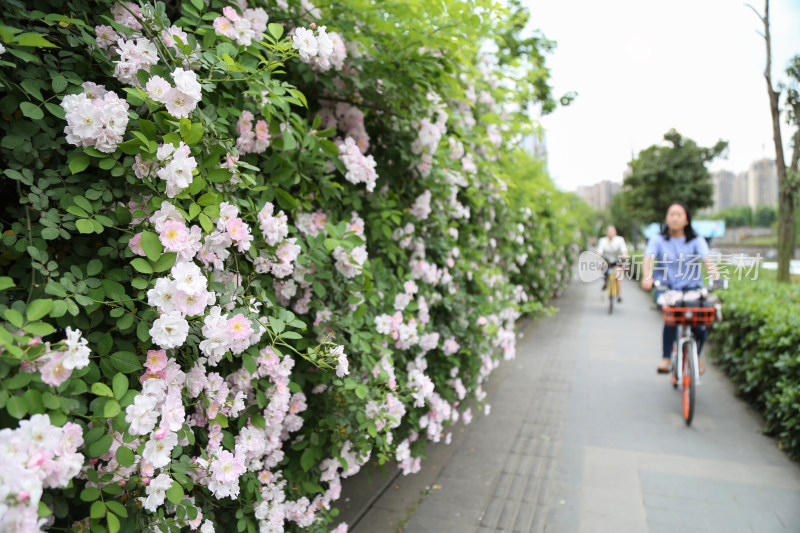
[(683, 364)]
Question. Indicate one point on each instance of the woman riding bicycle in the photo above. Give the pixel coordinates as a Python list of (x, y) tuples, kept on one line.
[(678, 249), (613, 249)]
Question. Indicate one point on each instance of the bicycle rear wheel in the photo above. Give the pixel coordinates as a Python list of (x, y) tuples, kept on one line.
[(688, 382)]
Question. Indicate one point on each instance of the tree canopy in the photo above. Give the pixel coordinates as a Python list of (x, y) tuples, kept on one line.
[(664, 174)]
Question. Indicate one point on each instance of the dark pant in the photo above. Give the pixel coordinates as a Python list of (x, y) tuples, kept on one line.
[(671, 334)]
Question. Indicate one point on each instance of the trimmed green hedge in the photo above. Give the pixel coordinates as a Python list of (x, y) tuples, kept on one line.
[(758, 346)]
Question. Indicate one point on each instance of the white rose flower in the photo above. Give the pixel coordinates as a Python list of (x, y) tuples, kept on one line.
[(170, 330), (157, 451), (77, 353), (186, 82), (305, 43)]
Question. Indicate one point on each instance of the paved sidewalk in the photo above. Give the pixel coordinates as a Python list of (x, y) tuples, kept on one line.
[(585, 437)]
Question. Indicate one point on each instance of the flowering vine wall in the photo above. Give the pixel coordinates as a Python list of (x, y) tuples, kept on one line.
[(248, 248)]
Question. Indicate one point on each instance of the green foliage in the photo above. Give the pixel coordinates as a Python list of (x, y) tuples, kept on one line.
[(735, 217), (664, 174), (71, 213), (757, 346)]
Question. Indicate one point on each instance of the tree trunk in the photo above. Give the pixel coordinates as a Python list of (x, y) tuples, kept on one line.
[(785, 195)]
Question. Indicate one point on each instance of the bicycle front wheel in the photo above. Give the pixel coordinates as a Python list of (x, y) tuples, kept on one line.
[(688, 382), (673, 365), (612, 293)]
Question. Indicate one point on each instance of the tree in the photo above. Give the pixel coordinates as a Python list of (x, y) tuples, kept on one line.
[(735, 217), (785, 190), (663, 174), (764, 216), (619, 213)]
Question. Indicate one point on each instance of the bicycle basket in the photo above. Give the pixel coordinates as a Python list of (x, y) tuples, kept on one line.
[(689, 316)]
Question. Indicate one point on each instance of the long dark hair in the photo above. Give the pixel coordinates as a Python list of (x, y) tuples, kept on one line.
[(688, 230)]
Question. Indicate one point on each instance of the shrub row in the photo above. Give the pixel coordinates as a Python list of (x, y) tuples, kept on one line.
[(758, 346)]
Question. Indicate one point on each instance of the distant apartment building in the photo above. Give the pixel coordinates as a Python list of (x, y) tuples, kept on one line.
[(725, 195), (599, 195), (763, 184), (755, 187)]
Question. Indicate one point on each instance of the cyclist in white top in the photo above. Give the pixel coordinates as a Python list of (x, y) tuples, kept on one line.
[(613, 249)]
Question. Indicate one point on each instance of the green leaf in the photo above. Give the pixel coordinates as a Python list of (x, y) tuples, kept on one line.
[(59, 309), (90, 494), (56, 110), (56, 289), (77, 211), (165, 262), (33, 398), (113, 523), (175, 493), (125, 456), (98, 509), (319, 289), (17, 407), (35, 40), (125, 322), (123, 215), (276, 30), (125, 362), (209, 198), (6, 283), (83, 203), (277, 325), (111, 408), (120, 385), (198, 184), (206, 222), (361, 391), (285, 200), (78, 162), (307, 459), (152, 245), (260, 422), (49, 234), (39, 308), (332, 244), (94, 267), (84, 225), (43, 510), (14, 317), (18, 381), (59, 83), (194, 135), (142, 266), (31, 111), (131, 147), (289, 142), (39, 328), (249, 363), (219, 175), (101, 389), (113, 505), (100, 446)]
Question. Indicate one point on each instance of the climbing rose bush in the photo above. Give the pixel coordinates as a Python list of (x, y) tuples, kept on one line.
[(248, 248)]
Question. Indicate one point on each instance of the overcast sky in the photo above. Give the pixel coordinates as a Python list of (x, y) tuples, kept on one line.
[(641, 67)]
